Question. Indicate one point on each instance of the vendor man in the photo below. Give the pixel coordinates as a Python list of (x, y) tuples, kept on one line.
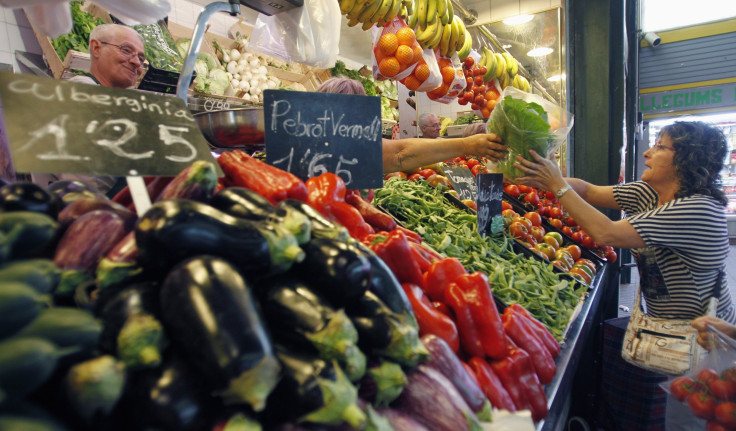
[(429, 124), (117, 56)]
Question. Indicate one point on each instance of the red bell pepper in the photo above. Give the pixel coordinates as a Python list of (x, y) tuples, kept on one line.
[(272, 183), (491, 385), (549, 340), (530, 384), (431, 320), (440, 274), (378, 219), (410, 234), (471, 373), (479, 312), (443, 308), (420, 256), (467, 329), (351, 219), (520, 330), (326, 193), (397, 254)]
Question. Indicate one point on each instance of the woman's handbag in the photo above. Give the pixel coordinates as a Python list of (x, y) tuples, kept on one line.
[(666, 346)]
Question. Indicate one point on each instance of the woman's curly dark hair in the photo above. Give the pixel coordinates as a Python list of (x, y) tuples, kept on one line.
[(700, 151)]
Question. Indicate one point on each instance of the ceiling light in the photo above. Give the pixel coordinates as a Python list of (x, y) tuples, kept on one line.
[(555, 78), (540, 52), (507, 46), (518, 19)]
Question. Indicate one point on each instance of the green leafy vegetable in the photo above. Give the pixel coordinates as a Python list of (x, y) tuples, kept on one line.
[(78, 38), (467, 119), (340, 69), (523, 126)]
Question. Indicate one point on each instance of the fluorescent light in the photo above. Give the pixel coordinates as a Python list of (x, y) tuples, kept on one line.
[(518, 19), (555, 78), (507, 46), (540, 52)]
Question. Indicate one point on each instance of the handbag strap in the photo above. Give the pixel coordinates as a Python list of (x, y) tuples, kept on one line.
[(716, 291)]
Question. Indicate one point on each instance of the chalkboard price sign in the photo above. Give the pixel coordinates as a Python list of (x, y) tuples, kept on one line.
[(309, 134), (462, 181), (55, 126), (490, 195)]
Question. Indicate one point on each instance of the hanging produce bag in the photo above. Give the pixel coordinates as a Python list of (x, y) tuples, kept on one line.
[(453, 79), (161, 50), (395, 51), (526, 122), (426, 75), (137, 11), (303, 35)]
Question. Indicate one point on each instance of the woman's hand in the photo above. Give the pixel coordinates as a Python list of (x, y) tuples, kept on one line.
[(488, 145), (704, 337), (541, 173)]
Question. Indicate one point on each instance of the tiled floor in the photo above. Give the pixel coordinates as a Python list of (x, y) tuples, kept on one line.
[(627, 292)]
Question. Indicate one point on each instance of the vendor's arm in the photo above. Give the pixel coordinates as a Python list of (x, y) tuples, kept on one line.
[(579, 201), (411, 153)]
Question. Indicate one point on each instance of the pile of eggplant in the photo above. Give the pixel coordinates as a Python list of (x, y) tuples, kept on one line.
[(214, 310)]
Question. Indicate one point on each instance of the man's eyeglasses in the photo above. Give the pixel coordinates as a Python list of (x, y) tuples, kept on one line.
[(127, 51)]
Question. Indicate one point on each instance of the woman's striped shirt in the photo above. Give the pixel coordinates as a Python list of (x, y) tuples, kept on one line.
[(687, 245)]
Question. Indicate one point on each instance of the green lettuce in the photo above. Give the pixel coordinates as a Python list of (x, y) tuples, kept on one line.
[(523, 126)]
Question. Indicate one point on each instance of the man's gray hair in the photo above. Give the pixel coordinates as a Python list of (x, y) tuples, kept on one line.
[(424, 118), (108, 31)]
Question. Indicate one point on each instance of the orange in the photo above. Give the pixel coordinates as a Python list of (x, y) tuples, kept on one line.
[(443, 62), (439, 91), (485, 112), (389, 66), (422, 72), (417, 52), (388, 43), (411, 82), (448, 74), (405, 54), (406, 36)]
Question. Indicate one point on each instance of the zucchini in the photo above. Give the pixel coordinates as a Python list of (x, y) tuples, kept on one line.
[(209, 313), (25, 234), (65, 327), (26, 363), (41, 274), (19, 305)]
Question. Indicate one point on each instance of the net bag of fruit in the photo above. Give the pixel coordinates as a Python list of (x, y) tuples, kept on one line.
[(708, 391), (453, 79), (426, 75), (526, 122), (395, 51)]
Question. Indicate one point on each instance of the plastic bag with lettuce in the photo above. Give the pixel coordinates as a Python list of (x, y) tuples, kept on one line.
[(526, 122)]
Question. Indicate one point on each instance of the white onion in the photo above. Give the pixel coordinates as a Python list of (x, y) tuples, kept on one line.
[(254, 82), (246, 97), (270, 84), (229, 76), (232, 67), (257, 91), (262, 70), (226, 57), (254, 62), (244, 85), (237, 76), (234, 54), (235, 83), (248, 75)]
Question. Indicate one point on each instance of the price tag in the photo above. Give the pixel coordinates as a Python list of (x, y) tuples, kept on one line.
[(462, 181), (56, 126), (490, 196), (309, 134)]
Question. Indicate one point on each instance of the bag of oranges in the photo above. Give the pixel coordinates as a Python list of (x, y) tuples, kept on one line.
[(395, 52), (453, 80), (426, 75)]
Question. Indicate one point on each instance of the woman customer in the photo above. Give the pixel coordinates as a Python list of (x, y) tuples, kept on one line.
[(411, 153), (675, 226)]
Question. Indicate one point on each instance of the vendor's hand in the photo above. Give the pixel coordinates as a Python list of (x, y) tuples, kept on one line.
[(488, 145), (541, 173), (704, 336)]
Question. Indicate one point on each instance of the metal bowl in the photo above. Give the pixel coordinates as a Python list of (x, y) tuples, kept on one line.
[(243, 127)]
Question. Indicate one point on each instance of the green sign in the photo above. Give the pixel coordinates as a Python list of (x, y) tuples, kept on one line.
[(688, 99), (55, 126)]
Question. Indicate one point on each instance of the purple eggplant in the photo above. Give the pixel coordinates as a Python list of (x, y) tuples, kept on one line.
[(24, 196), (444, 360), (120, 265), (83, 206), (116, 305), (433, 400), (401, 421), (196, 182), (68, 191)]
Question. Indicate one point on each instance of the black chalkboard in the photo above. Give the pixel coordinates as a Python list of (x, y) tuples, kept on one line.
[(308, 134), (462, 181), (490, 195), (56, 126)]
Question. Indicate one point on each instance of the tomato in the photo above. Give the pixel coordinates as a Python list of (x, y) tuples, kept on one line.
[(518, 230), (555, 212), (473, 162), (589, 271), (550, 195), (726, 414), (588, 242), (525, 221), (570, 221), (396, 174), (561, 264), (682, 387), (714, 426), (706, 375), (563, 255), (509, 213), (587, 278), (468, 62), (505, 206), (723, 389), (537, 232), (531, 241), (729, 374), (586, 262), (551, 241), (574, 251), (577, 237), (470, 203), (543, 209), (524, 188), (703, 405), (566, 230), (436, 179), (557, 236), (416, 177), (555, 222), (427, 172), (512, 190), (532, 197), (611, 256), (479, 169), (534, 217), (547, 250)]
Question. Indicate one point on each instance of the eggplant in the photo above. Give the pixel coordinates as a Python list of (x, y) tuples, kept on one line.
[(382, 383), (444, 360), (435, 403), (209, 313), (385, 333), (296, 313), (400, 421), (120, 265), (246, 203), (78, 208), (339, 271), (320, 226), (115, 306), (26, 234), (170, 397), (196, 182), (173, 230), (25, 196), (313, 390), (68, 191)]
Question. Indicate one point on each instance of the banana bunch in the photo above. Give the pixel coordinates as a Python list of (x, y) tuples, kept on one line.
[(521, 83), (436, 26), (504, 67), (464, 51), (454, 37), (372, 12)]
